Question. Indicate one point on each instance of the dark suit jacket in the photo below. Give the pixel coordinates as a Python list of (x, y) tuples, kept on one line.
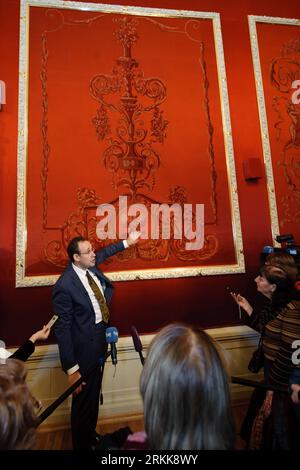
[(75, 328)]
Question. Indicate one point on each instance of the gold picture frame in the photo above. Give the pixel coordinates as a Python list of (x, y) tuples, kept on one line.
[(275, 202), (25, 280)]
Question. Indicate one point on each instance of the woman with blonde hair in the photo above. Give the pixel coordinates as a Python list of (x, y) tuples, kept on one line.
[(185, 391), (17, 408)]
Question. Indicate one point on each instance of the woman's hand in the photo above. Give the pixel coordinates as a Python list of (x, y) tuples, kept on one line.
[(242, 302), (41, 334)]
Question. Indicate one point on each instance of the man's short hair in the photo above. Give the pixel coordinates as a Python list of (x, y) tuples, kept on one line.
[(73, 247)]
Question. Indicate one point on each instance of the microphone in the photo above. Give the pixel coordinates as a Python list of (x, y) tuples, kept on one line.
[(137, 343), (112, 335), (48, 411)]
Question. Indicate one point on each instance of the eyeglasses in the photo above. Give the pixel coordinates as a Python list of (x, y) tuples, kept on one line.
[(88, 252)]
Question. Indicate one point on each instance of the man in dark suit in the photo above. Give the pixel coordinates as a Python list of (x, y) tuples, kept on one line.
[(80, 298)]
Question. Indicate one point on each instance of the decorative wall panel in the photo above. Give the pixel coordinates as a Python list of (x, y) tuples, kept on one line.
[(276, 57), (123, 101)]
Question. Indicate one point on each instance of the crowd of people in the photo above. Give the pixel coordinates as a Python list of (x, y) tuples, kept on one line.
[(184, 384)]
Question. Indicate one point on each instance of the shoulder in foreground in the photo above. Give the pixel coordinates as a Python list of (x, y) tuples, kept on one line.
[(294, 305)]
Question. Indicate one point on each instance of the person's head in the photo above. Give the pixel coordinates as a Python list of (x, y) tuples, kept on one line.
[(276, 283), (17, 408), (81, 253), (284, 260), (185, 391)]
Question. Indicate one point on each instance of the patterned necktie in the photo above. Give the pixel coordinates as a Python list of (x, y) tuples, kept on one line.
[(99, 296)]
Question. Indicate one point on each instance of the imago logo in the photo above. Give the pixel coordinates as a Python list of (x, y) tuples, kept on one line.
[(296, 94), (296, 354)]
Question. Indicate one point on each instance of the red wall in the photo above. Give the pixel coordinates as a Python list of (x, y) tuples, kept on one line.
[(147, 304)]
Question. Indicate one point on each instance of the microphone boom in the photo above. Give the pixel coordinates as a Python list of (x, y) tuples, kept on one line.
[(137, 343)]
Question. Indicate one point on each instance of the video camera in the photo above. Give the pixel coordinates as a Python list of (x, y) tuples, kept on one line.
[(288, 245)]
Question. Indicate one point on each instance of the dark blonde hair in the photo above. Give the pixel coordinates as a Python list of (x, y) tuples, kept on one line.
[(185, 390), (17, 408)]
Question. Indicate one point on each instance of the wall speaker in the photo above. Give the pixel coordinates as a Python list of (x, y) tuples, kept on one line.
[(252, 168)]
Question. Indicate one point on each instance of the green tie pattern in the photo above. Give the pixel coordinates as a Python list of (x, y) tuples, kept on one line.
[(99, 296)]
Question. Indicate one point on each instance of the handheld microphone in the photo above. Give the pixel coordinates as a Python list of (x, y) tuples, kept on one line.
[(111, 335), (137, 343)]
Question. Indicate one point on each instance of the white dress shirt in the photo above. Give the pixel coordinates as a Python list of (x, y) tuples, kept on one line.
[(81, 273)]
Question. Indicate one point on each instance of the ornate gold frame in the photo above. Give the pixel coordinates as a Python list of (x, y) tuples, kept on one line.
[(28, 281), (252, 20)]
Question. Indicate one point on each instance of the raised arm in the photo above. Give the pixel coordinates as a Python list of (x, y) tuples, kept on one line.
[(111, 250)]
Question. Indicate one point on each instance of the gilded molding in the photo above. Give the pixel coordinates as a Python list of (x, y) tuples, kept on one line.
[(252, 20)]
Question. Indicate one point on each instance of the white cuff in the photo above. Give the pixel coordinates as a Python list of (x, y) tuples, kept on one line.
[(73, 369), (125, 244)]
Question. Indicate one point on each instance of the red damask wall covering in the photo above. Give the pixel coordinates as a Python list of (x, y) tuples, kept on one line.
[(128, 126), (148, 304)]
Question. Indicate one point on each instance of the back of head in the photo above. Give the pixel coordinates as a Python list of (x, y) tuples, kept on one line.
[(186, 392), (17, 408)]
